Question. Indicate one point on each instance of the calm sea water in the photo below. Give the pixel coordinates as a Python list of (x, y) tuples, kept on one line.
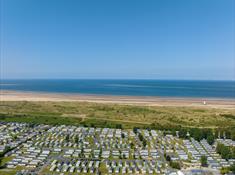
[(161, 88)]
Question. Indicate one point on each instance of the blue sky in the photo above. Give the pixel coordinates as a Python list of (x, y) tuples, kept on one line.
[(154, 39)]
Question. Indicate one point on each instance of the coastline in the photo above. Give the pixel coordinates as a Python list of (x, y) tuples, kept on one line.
[(8, 95)]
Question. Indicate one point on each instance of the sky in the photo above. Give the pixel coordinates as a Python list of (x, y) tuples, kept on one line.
[(118, 39)]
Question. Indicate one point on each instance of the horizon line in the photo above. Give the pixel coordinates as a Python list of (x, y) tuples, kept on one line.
[(164, 79)]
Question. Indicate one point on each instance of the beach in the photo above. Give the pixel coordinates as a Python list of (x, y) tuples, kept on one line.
[(7, 95)]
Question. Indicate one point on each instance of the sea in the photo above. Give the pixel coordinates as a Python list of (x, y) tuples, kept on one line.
[(156, 88)]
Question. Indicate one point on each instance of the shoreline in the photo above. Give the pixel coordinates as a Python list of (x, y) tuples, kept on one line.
[(10, 95)]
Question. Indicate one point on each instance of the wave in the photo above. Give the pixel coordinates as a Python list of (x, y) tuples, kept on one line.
[(163, 87), (8, 84)]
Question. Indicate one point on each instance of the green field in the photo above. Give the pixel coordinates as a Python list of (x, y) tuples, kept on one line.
[(112, 115)]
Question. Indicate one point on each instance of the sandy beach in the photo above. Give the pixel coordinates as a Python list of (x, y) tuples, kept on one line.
[(132, 100)]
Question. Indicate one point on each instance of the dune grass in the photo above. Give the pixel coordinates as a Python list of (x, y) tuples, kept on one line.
[(97, 114)]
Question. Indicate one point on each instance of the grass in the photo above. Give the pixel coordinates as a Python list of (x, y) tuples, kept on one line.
[(110, 115), (5, 160), (8, 171)]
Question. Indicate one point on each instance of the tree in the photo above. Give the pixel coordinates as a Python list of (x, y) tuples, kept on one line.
[(228, 134), (232, 168), (224, 170), (233, 135), (144, 142), (219, 148), (135, 130), (132, 145), (175, 165), (233, 152), (196, 134), (67, 138), (1, 166), (123, 135), (168, 158), (182, 133), (210, 139), (82, 152), (203, 161), (224, 151), (76, 139), (119, 126), (141, 137)]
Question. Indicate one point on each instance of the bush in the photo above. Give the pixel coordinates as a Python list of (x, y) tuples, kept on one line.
[(232, 168), (225, 151), (175, 165), (203, 161)]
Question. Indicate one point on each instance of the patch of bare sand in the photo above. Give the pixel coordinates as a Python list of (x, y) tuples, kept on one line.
[(131, 100)]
